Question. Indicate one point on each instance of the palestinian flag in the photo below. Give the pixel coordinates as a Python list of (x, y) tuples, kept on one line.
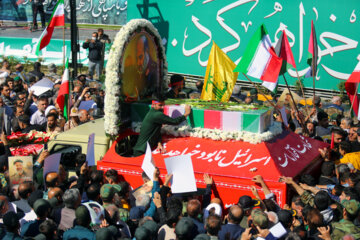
[(351, 86), (63, 95), (313, 53), (57, 19), (260, 60), (282, 50)]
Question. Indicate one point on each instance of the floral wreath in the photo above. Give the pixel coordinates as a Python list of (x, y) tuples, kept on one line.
[(217, 134), (114, 69)]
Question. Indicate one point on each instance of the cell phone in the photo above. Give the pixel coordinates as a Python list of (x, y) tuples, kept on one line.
[(45, 146)]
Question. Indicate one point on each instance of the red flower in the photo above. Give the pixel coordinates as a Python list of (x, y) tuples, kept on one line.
[(39, 140)]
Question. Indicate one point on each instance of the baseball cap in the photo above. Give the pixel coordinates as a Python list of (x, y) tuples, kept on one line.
[(246, 202), (11, 219), (351, 206), (108, 191), (259, 218), (74, 112)]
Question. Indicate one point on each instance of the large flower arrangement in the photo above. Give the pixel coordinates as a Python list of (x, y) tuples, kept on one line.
[(114, 70), (25, 144), (217, 134), (33, 137)]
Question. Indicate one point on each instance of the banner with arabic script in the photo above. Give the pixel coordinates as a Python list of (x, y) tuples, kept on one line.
[(22, 48), (111, 12), (188, 28)]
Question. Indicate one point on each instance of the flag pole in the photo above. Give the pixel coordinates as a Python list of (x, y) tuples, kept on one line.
[(64, 47), (353, 100), (267, 99), (302, 91), (292, 97), (314, 75)]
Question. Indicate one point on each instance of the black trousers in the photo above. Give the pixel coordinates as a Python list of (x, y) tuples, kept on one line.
[(38, 9)]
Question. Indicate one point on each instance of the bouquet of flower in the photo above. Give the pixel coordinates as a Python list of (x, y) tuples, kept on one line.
[(27, 150), (33, 137)]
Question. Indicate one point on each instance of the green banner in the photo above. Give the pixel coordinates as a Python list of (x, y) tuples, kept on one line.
[(189, 27), (90, 12), (25, 47)]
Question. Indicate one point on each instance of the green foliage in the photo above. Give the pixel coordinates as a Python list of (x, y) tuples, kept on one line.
[(102, 78)]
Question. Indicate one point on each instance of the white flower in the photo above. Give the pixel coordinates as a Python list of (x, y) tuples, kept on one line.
[(113, 67)]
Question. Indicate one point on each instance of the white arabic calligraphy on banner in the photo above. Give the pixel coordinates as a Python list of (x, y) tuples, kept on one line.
[(328, 50), (232, 23), (88, 11), (243, 157)]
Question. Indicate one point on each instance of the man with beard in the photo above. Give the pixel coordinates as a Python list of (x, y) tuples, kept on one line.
[(20, 174), (52, 124), (151, 126)]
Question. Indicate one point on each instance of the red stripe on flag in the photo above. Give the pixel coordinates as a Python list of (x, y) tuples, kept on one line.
[(272, 69), (354, 77), (46, 38), (311, 41), (286, 53), (57, 21), (351, 92)]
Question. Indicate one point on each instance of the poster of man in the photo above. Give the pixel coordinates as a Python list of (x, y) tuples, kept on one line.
[(141, 67), (20, 169)]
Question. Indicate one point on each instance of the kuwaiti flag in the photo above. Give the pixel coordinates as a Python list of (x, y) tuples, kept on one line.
[(57, 19), (63, 95), (313, 53), (282, 50), (260, 60), (351, 87)]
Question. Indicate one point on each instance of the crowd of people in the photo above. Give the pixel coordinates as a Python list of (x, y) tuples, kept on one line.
[(92, 204)]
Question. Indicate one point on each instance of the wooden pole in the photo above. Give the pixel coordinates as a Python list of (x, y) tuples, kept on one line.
[(296, 108), (302, 91), (272, 104), (314, 75)]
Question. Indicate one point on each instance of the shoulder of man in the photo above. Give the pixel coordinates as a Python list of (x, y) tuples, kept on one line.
[(345, 227)]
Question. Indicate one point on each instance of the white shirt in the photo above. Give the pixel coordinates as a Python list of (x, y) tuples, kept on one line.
[(38, 118)]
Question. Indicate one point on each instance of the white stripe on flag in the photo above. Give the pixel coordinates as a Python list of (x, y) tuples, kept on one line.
[(269, 85), (261, 58)]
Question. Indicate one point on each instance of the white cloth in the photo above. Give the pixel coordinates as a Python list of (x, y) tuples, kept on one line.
[(30, 216)]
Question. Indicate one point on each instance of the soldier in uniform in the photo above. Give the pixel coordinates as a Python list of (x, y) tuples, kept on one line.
[(151, 126), (346, 225)]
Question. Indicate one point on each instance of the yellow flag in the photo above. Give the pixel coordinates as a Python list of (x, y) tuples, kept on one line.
[(219, 78)]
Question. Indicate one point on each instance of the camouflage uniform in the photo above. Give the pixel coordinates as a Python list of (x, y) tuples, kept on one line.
[(307, 198), (344, 227), (107, 193)]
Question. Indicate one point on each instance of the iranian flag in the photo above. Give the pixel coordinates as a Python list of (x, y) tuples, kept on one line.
[(63, 95), (282, 50), (260, 60), (57, 19), (351, 86)]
